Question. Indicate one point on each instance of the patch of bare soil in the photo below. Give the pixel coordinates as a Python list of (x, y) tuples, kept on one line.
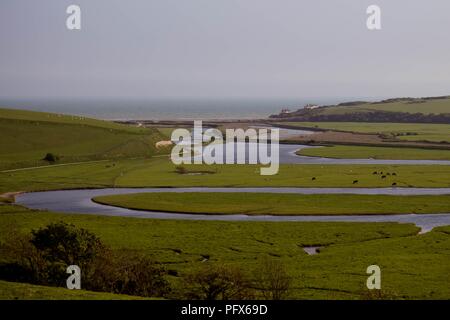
[(338, 137)]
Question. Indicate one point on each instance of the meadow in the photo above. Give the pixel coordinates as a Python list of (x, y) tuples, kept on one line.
[(279, 204), (25, 291), (362, 152), (337, 272), (435, 106), (114, 155), (28, 136), (402, 131), (26, 115), (160, 172)]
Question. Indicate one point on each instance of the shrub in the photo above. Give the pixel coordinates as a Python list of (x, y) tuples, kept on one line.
[(272, 280), (25, 262), (217, 283), (50, 157), (43, 257), (61, 244), (126, 273), (181, 170)]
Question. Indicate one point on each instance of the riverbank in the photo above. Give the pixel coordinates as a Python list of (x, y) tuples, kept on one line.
[(79, 201)]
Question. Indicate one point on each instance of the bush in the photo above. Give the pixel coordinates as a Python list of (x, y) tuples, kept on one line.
[(272, 280), (181, 170), (43, 257), (126, 273), (50, 157), (217, 283), (25, 262), (61, 244)]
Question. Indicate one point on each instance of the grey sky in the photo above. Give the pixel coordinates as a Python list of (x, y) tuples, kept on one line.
[(224, 48)]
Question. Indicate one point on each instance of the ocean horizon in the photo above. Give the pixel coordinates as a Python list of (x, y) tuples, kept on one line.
[(165, 109)]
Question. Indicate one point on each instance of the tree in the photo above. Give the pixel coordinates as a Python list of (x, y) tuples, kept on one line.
[(272, 280), (43, 256), (128, 273), (217, 283), (61, 244)]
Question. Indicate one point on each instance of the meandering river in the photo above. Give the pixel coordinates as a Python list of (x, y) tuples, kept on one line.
[(79, 201)]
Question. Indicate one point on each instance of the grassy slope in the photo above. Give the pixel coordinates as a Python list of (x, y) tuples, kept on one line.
[(417, 131), (360, 152), (428, 107), (279, 204), (28, 136), (337, 272), (17, 114), (25, 291), (431, 106), (160, 172)]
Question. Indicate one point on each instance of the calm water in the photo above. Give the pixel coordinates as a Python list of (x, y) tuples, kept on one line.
[(169, 109), (79, 201)]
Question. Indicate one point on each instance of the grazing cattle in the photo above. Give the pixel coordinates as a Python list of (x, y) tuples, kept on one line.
[(313, 178), (355, 181), (375, 172), (383, 177), (394, 184), (394, 174), (388, 174)]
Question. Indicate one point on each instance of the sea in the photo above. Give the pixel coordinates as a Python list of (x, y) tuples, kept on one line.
[(164, 109)]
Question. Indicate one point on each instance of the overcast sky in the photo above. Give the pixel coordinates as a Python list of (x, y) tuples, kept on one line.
[(224, 48)]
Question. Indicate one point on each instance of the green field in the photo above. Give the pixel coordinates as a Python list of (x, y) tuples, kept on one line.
[(28, 136), (25, 291), (430, 106), (414, 266), (279, 204), (426, 107), (389, 153), (402, 131), (159, 172), (25, 115), (337, 272)]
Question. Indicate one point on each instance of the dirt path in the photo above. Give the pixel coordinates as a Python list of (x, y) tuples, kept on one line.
[(52, 166)]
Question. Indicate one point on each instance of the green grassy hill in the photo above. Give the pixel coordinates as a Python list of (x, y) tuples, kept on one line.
[(402, 131), (18, 114), (25, 291), (404, 110), (425, 106), (28, 136)]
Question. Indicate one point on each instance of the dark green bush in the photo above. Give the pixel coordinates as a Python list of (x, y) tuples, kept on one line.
[(43, 258), (217, 283), (50, 157)]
